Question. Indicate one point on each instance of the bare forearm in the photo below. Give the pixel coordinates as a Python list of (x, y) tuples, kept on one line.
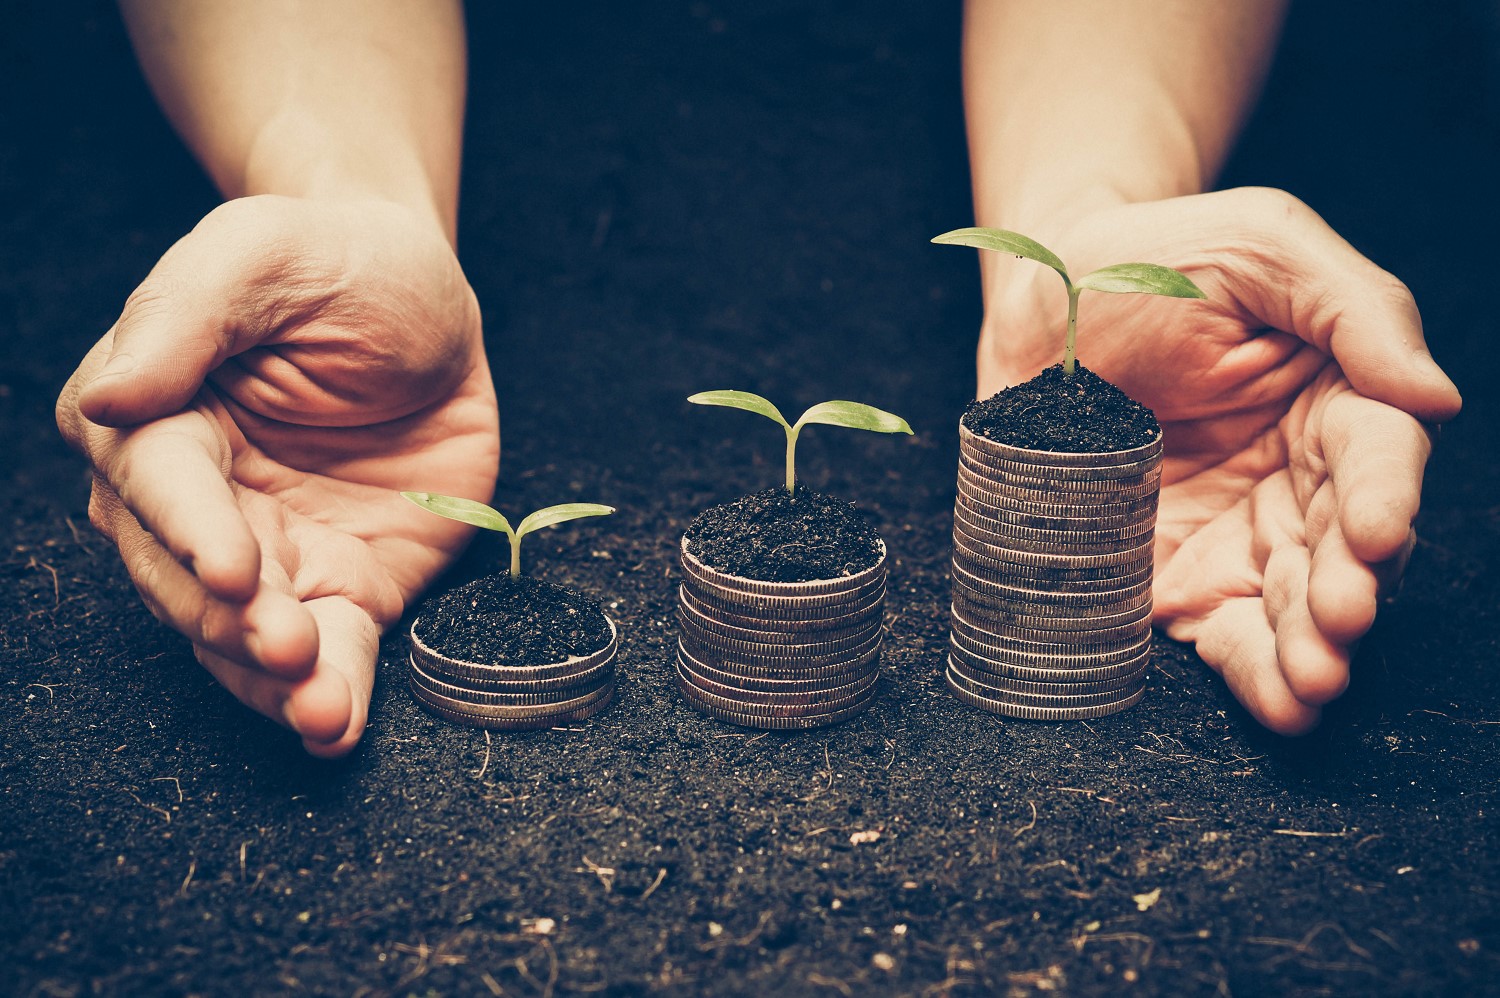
[(314, 98), (1078, 104)]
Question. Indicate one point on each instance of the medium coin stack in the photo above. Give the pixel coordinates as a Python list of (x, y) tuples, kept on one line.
[(1052, 578), (513, 697), (782, 655)]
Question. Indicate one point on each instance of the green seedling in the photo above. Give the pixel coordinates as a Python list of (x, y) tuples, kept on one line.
[(477, 514), (851, 414), (1121, 278)]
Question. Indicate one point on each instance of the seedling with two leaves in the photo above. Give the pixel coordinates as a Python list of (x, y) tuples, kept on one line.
[(1120, 278), (477, 514), (851, 414)]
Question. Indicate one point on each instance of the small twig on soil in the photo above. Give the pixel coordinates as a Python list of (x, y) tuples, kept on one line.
[(243, 847), (51, 691), (56, 589), (77, 537), (551, 982), (492, 984), (192, 869), (1075, 790), (1120, 937), (746, 940), (1164, 672), (1309, 835), (1455, 720), (661, 874), (1301, 949), (166, 815), (1029, 825), (175, 782), (606, 874), (480, 775), (831, 982)]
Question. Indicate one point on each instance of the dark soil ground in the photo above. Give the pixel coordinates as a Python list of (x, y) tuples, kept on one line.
[(703, 194)]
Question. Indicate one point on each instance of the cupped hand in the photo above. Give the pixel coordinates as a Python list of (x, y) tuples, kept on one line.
[(284, 370), (1292, 402)]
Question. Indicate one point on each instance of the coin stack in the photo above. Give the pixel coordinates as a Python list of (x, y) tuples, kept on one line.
[(1052, 578), (782, 655), (513, 697)]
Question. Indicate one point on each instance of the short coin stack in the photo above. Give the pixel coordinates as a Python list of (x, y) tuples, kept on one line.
[(1052, 569), (779, 654), (513, 697)]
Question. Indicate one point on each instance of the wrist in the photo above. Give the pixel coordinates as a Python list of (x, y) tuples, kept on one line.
[(294, 155)]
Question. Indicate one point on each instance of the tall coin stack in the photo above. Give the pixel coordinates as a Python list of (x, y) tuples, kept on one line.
[(513, 697), (779, 654), (1052, 578)]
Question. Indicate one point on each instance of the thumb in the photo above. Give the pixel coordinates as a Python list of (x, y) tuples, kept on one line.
[(212, 295), (1327, 293)]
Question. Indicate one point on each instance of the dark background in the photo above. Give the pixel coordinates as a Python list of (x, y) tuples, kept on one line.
[(666, 198)]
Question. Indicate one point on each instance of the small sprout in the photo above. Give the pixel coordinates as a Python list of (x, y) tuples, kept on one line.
[(477, 514), (1120, 278), (850, 414)]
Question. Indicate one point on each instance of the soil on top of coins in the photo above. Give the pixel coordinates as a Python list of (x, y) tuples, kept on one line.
[(498, 620), (774, 536), (1054, 411)]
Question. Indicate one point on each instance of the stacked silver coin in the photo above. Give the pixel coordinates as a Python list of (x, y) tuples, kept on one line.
[(782, 655), (513, 697), (1052, 570)]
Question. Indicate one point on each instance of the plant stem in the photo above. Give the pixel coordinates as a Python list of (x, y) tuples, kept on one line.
[(791, 461), (1070, 350), (515, 556)]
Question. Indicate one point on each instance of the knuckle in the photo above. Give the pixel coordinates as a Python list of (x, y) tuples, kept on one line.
[(103, 507), (154, 298)]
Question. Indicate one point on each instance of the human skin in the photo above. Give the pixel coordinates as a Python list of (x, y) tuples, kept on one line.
[(310, 348), (1292, 401)]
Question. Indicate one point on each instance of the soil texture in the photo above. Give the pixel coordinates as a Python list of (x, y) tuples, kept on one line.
[(658, 197), (498, 620), (774, 536), (1054, 411)]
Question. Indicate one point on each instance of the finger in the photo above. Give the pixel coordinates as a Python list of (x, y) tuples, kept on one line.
[(1342, 589), (1325, 291), (1316, 670), (310, 707), (172, 475), (1237, 641), (270, 631), (216, 292), (1376, 456), (350, 644)]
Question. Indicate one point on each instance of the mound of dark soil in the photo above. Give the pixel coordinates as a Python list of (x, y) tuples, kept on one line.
[(1054, 411), (498, 620), (775, 537)]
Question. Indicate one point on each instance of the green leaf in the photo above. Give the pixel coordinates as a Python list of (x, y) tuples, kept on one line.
[(1142, 278), (554, 515), (463, 510), (1004, 241), (855, 416), (741, 400)]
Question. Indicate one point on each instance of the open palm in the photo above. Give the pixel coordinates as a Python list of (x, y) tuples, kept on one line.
[(282, 372), (1289, 403)]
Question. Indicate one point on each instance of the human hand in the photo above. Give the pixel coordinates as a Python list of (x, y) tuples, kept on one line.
[(284, 370), (1292, 404)]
